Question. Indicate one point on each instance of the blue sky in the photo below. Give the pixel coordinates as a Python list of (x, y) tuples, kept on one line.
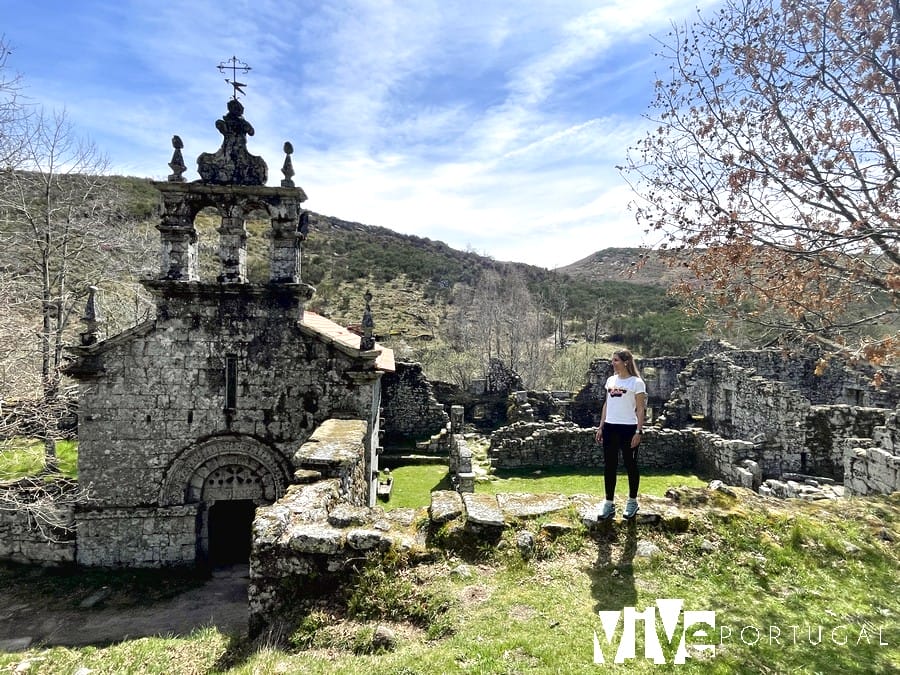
[(493, 126)]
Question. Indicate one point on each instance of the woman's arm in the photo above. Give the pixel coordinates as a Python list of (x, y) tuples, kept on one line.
[(599, 435), (640, 409)]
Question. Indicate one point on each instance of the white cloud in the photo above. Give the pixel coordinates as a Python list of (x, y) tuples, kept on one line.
[(494, 124)]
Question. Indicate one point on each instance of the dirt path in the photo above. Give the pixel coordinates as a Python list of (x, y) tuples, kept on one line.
[(221, 602)]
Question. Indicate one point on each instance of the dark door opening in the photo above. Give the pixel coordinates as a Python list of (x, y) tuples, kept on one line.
[(229, 528)]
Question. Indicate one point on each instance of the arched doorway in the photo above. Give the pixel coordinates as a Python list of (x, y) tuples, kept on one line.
[(230, 494), (228, 477)]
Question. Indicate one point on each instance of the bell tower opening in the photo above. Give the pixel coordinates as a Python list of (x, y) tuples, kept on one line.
[(230, 525)]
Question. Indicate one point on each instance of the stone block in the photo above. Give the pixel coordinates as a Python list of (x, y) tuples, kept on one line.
[(363, 539), (482, 511), (314, 538), (446, 505), (521, 505)]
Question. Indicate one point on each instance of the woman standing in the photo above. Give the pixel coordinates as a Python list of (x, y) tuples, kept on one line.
[(621, 427)]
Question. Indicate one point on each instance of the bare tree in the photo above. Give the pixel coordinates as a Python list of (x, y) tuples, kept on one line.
[(59, 234), (500, 319), (12, 112), (774, 167)]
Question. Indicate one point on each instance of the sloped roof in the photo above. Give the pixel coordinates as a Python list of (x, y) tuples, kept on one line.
[(345, 338)]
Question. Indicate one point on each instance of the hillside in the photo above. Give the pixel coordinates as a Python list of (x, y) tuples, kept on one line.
[(428, 296), (632, 265)]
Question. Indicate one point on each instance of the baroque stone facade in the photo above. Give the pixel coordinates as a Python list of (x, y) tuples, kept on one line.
[(193, 419)]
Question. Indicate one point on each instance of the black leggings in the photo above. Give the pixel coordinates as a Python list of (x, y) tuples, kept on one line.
[(618, 437)]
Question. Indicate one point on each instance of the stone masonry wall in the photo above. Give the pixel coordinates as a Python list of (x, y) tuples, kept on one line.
[(872, 464), (540, 445), (137, 537), (337, 450), (24, 539), (733, 402), (170, 387), (411, 411), (827, 429), (872, 471)]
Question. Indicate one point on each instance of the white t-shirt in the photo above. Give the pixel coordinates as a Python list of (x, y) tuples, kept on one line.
[(620, 398)]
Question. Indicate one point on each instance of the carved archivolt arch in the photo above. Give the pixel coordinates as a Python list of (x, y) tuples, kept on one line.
[(226, 467)]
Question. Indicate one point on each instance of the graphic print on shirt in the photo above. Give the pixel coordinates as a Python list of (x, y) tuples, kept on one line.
[(616, 392)]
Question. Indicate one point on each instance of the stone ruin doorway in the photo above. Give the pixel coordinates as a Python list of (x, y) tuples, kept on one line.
[(229, 525)]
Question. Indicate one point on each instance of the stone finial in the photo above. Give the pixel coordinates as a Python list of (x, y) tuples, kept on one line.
[(232, 164), (288, 167), (367, 341), (93, 319), (177, 164)]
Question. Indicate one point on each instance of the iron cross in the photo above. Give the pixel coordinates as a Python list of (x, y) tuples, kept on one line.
[(234, 65)]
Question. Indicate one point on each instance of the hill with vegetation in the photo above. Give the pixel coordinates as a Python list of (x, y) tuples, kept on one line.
[(430, 300)]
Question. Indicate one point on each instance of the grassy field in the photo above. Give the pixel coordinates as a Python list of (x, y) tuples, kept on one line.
[(795, 587), (414, 483), (25, 457), (776, 574)]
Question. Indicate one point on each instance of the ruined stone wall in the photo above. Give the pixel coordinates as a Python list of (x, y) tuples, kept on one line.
[(411, 411), (337, 449), (309, 540), (736, 462), (48, 539), (733, 402), (872, 471), (544, 445), (872, 464), (827, 429), (484, 411), (538, 406), (838, 383)]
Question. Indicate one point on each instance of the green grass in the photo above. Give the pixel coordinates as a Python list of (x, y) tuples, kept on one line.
[(756, 563), (413, 484), (25, 457), (582, 481)]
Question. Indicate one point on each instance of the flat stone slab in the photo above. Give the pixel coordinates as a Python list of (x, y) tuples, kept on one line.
[(363, 539), (483, 510), (523, 505), (314, 538), (404, 517), (446, 505), (587, 507), (345, 515)]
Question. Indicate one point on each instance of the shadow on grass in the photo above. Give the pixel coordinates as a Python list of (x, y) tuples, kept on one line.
[(612, 577)]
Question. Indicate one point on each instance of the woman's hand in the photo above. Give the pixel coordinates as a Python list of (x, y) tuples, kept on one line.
[(636, 440), (599, 435)]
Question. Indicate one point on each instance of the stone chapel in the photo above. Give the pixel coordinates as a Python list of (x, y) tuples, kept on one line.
[(191, 420)]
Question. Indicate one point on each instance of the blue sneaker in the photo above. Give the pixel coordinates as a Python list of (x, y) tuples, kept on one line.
[(609, 510), (631, 509)]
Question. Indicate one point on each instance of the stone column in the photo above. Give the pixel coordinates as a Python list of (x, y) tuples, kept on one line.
[(178, 240), (233, 249), (178, 252), (457, 413), (288, 230)]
